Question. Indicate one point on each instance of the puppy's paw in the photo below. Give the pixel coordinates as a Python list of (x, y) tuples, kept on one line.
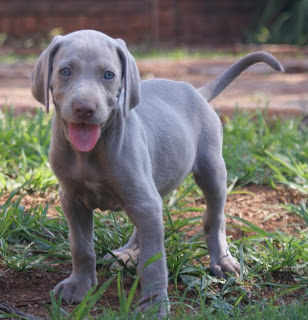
[(159, 303), (225, 265), (73, 289), (128, 256)]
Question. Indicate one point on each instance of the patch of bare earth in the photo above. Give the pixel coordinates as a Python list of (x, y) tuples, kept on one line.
[(260, 86), (261, 205), (29, 290)]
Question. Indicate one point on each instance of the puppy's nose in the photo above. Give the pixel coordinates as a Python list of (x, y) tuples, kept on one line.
[(83, 109)]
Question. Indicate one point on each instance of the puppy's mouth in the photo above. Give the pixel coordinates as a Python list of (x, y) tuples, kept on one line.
[(84, 136)]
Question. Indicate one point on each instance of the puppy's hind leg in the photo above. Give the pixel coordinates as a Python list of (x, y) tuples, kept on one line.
[(129, 254), (211, 177)]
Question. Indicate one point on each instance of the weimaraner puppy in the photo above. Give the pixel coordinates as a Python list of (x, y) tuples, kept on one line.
[(119, 143)]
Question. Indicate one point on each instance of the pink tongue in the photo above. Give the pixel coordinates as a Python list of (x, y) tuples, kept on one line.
[(84, 136)]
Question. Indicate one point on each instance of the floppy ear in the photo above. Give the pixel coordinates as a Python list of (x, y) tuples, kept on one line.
[(41, 74), (130, 76)]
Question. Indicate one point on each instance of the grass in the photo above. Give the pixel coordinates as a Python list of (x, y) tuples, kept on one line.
[(260, 150), (256, 150), (24, 145), (139, 53), (181, 53), (11, 58)]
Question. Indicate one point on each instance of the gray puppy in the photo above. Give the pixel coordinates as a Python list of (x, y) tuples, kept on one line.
[(119, 143)]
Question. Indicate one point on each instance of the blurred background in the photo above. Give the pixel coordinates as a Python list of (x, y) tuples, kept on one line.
[(159, 22), (199, 38)]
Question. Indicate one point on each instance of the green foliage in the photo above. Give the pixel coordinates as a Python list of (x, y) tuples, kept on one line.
[(24, 142), (273, 251), (261, 150), (29, 237), (12, 58), (283, 21), (300, 209), (180, 53), (261, 311)]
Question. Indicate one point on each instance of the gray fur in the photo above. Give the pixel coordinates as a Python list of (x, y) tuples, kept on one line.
[(153, 134)]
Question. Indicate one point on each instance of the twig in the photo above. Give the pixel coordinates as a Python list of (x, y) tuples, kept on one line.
[(25, 303), (6, 307)]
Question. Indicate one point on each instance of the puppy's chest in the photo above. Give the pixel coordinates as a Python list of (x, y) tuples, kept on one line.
[(97, 194), (92, 187)]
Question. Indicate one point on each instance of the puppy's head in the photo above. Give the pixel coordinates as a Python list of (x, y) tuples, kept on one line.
[(90, 76)]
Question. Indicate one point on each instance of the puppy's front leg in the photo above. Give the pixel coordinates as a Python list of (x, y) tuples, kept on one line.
[(147, 217), (83, 277)]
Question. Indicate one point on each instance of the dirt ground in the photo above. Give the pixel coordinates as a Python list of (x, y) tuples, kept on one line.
[(285, 94), (260, 86)]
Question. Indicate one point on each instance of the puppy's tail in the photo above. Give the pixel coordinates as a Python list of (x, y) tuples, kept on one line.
[(214, 88)]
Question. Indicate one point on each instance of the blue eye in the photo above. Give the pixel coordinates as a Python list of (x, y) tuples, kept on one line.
[(109, 75), (65, 72)]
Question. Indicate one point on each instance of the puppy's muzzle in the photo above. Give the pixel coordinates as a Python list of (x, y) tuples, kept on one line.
[(84, 109)]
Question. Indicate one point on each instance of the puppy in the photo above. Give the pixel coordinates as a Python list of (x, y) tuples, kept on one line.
[(119, 143)]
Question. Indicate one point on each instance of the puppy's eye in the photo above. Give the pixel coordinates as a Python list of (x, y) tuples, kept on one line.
[(65, 72), (109, 75)]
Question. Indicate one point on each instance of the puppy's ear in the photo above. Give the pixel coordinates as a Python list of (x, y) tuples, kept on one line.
[(130, 76), (41, 74)]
